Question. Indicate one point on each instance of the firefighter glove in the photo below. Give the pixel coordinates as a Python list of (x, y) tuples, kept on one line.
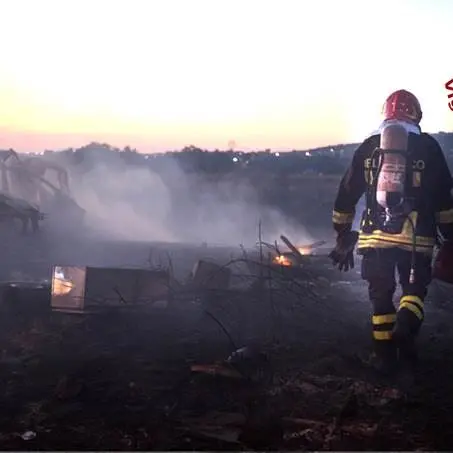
[(342, 255)]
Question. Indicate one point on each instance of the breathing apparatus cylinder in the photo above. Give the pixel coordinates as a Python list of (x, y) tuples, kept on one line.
[(391, 179), (392, 169)]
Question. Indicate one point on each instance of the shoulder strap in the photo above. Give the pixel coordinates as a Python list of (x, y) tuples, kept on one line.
[(410, 128)]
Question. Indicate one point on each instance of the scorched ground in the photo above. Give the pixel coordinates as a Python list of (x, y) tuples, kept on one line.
[(135, 380)]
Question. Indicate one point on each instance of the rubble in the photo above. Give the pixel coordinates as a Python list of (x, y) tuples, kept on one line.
[(208, 275), (287, 371), (217, 370)]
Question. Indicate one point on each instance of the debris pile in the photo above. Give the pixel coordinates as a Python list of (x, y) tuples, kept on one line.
[(236, 356)]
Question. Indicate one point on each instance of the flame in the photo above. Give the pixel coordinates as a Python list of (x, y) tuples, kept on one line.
[(282, 260), (60, 285)]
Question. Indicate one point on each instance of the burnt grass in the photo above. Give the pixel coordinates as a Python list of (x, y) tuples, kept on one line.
[(123, 380)]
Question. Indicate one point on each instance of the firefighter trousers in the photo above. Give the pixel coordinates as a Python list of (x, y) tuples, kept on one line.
[(378, 269)]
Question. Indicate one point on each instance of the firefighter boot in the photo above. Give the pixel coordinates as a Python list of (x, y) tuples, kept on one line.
[(384, 358), (404, 340)]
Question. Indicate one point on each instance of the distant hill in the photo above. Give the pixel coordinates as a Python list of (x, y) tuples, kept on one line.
[(331, 160)]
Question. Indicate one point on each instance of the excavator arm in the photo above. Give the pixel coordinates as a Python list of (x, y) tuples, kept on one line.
[(38, 168)]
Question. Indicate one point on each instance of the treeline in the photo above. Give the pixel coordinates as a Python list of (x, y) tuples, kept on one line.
[(331, 160)]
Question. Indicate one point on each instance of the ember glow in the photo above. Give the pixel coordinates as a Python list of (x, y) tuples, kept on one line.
[(60, 285), (284, 260)]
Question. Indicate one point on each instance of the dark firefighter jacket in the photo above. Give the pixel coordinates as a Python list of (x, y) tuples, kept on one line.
[(429, 185)]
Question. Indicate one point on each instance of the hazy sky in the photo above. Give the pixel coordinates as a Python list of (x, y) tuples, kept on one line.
[(161, 74)]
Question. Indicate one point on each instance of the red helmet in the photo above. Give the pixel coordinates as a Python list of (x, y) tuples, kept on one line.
[(402, 105)]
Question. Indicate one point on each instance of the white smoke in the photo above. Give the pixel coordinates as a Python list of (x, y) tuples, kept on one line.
[(132, 203)]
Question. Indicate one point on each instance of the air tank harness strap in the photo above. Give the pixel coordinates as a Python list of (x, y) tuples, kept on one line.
[(371, 201)]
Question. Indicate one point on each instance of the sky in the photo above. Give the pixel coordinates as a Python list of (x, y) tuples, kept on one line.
[(162, 74)]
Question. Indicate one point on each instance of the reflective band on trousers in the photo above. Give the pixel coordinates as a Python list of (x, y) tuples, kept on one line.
[(384, 335), (342, 218), (383, 319), (413, 304)]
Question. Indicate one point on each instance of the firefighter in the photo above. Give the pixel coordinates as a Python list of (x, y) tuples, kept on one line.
[(402, 242)]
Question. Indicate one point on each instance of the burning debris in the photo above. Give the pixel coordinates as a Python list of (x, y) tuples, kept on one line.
[(61, 286), (295, 256)]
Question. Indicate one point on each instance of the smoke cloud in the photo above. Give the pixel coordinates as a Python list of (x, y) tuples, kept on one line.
[(131, 203)]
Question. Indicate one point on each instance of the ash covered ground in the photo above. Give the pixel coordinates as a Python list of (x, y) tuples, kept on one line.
[(128, 380), (158, 378)]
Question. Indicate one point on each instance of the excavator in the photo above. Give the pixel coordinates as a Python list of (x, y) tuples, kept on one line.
[(28, 195)]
